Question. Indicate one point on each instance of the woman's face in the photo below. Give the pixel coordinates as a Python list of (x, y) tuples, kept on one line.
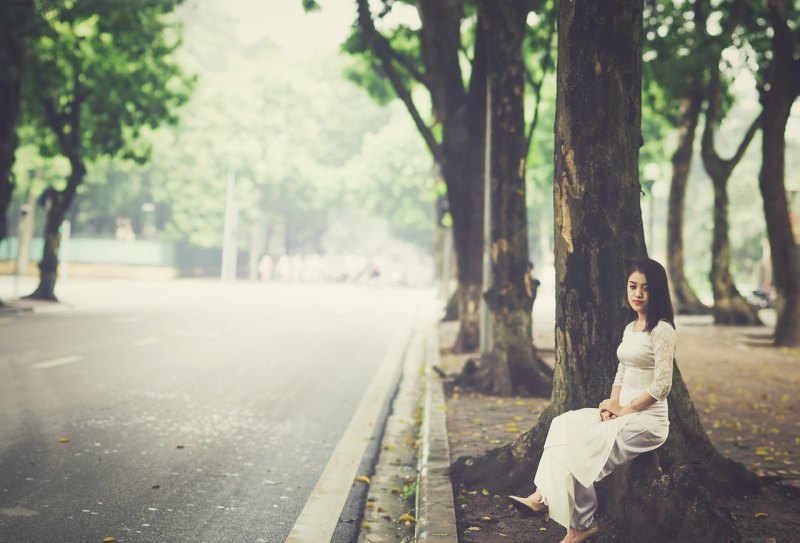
[(637, 292)]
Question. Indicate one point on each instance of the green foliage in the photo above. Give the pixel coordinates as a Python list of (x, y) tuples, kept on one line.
[(392, 177), (106, 70)]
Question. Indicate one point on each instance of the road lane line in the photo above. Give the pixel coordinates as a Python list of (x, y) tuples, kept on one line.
[(144, 342), (320, 515), (56, 362)]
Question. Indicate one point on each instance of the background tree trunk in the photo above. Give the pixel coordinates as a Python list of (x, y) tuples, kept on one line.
[(683, 297), (459, 151), (59, 206), (729, 306), (777, 99), (659, 496), (513, 366)]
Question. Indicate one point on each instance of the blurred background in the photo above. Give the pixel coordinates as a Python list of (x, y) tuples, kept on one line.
[(281, 168)]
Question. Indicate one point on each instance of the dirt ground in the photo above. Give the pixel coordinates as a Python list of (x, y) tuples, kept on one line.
[(744, 389)]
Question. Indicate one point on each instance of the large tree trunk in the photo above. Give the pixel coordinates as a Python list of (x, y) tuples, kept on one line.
[(684, 298), (777, 99), (15, 20), (729, 306), (659, 496), (513, 365)]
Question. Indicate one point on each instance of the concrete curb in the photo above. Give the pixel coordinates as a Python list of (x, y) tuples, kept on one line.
[(436, 515)]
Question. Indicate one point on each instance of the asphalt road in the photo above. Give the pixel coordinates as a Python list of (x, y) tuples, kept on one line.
[(194, 411)]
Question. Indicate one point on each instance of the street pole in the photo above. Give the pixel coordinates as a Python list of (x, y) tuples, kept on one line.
[(486, 340), (229, 248)]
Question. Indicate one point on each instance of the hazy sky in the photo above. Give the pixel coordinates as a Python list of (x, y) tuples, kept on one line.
[(285, 23)]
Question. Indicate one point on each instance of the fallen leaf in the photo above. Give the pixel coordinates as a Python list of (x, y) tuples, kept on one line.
[(406, 517), (109, 539), (396, 490), (473, 529), (366, 525), (63, 440), (486, 517), (363, 479), (485, 492), (761, 515)]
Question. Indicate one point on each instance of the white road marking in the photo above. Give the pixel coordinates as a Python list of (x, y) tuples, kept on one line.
[(318, 519), (56, 362), (144, 342)]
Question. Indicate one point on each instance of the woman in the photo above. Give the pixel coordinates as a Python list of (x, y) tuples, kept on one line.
[(584, 446)]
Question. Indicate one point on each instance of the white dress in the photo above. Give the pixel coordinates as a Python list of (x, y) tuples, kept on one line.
[(579, 444)]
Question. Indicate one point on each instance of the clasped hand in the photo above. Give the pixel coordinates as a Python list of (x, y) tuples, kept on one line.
[(610, 409)]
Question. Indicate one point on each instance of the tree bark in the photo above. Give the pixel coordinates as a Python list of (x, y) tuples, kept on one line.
[(598, 232), (513, 366), (59, 206), (777, 100), (684, 298), (15, 21), (729, 306)]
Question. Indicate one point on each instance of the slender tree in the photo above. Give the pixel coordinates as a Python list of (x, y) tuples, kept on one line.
[(100, 73), (729, 306), (456, 140), (660, 496)]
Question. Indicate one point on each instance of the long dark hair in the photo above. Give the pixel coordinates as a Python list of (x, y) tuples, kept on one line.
[(659, 304)]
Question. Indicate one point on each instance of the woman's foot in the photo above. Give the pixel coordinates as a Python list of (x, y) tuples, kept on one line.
[(576, 536), (527, 506)]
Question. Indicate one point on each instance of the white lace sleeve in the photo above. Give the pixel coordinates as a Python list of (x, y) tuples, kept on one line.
[(663, 339)]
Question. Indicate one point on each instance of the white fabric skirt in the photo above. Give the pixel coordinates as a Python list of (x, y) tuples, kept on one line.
[(579, 443)]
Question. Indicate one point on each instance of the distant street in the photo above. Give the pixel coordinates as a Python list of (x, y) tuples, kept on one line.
[(188, 411)]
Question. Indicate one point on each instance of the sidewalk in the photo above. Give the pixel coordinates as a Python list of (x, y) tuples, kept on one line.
[(744, 390)]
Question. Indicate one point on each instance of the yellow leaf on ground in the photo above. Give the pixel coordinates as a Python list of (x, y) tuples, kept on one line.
[(406, 517), (63, 440), (363, 479), (542, 529), (396, 490), (761, 515), (109, 539), (366, 525), (456, 395), (486, 517), (485, 492), (473, 529)]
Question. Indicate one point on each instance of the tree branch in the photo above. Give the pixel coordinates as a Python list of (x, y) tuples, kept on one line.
[(56, 121), (385, 54)]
